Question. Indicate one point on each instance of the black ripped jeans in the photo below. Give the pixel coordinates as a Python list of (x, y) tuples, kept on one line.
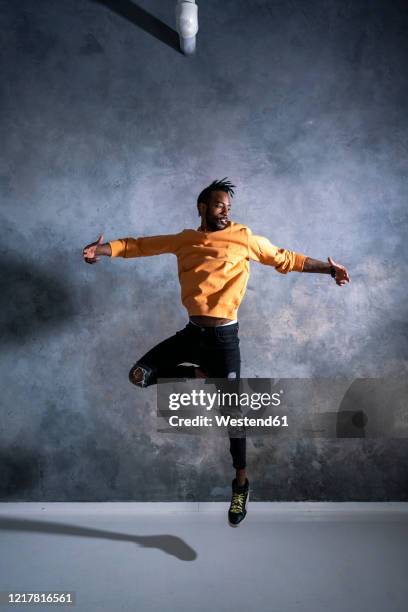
[(214, 349)]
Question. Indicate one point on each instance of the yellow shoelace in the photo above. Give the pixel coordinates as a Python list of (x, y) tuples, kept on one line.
[(237, 502)]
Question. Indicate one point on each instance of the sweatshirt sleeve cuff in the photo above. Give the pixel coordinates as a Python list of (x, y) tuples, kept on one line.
[(117, 248), (299, 262)]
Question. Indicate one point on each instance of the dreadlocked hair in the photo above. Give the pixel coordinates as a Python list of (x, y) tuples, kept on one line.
[(222, 185)]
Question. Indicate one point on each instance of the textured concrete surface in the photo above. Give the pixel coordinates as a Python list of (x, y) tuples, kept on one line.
[(299, 561), (106, 127)]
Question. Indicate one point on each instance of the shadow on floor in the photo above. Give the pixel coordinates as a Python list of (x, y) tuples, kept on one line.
[(171, 545), (138, 16)]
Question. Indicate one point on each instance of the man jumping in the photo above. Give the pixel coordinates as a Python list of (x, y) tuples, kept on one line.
[(213, 269)]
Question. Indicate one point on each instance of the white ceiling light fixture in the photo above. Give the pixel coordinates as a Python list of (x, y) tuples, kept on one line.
[(187, 25)]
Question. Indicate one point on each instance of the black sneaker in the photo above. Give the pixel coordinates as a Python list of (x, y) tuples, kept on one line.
[(240, 496)]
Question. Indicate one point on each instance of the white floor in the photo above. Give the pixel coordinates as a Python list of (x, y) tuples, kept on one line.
[(184, 557)]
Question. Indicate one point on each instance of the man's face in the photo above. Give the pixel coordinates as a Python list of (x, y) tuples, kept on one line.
[(216, 212)]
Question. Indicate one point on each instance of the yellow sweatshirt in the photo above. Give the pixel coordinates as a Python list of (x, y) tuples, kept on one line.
[(213, 267)]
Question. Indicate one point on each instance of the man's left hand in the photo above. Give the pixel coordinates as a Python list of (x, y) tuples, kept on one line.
[(342, 276)]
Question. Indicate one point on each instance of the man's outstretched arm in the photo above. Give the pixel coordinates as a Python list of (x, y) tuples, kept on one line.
[(284, 261), (336, 270), (130, 247)]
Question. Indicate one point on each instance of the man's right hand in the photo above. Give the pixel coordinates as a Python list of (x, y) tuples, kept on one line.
[(90, 252)]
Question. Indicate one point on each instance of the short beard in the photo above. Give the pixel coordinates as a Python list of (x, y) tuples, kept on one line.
[(213, 224)]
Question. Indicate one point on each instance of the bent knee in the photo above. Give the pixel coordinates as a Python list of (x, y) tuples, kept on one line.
[(140, 375), (136, 375)]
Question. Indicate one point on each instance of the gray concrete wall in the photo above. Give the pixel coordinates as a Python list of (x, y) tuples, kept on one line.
[(105, 127)]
